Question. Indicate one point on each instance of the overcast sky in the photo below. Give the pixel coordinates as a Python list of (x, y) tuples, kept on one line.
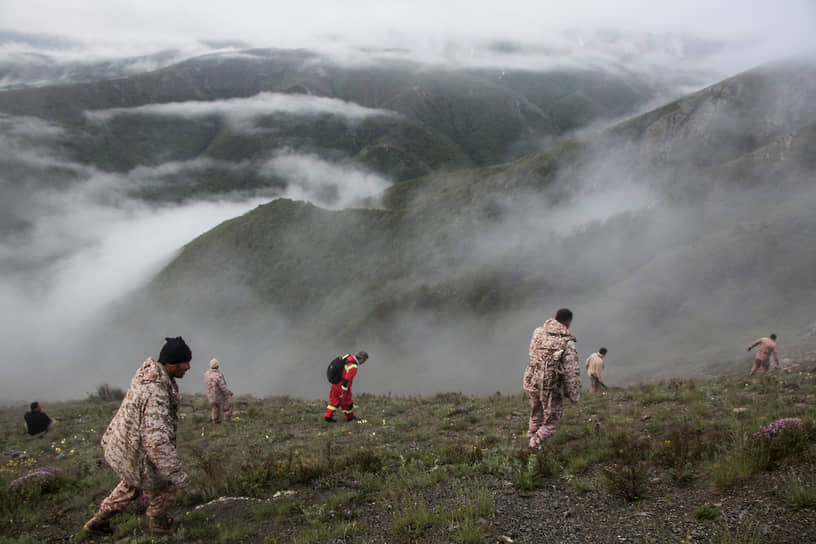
[(756, 29)]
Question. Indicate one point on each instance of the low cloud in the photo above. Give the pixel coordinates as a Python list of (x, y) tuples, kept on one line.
[(89, 256), (326, 184), (724, 35), (241, 111), (37, 61)]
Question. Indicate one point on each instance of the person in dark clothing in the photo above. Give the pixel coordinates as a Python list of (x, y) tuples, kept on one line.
[(37, 421)]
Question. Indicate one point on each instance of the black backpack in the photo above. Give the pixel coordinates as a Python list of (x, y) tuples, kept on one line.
[(335, 371)]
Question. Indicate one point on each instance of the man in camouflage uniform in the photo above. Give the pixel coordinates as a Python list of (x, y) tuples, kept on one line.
[(140, 442), (767, 347), (218, 394), (594, 366), (553, 372)]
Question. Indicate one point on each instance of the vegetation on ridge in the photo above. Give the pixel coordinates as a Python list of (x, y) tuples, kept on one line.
[(450, 468)]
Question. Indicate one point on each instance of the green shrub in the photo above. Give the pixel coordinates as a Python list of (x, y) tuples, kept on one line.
[(489, 439), (682, 475), (209, 463), (297, 468), (581, 486), (195, 527), (531, 470), (283, 510), (626, 476), (366, 459), (326, 532), (252, 477), (236, 533), (469, 531), (107, 393), (679, 446), (460, 454), (129, 523), (729, 469), (799, 492), (706, 512), (738, 534), (413, 517)]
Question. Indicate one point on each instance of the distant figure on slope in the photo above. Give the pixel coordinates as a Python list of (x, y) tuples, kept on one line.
[(767, 347), (340, 393), (140, 442), (594, 365), (37, 422), (218, 394), (553, 372)]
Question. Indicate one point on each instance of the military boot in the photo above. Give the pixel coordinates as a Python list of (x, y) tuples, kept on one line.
[(160, 525), (98, 525)]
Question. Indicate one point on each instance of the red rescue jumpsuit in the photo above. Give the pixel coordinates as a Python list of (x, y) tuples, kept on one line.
[(340, 393)]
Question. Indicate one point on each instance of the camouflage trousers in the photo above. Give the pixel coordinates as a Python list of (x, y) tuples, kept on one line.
[(546, 410), (594, 384), (760, 365), (220, 411), (158, 501)]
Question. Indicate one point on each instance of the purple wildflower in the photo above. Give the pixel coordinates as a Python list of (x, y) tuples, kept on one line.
[(775, 427)]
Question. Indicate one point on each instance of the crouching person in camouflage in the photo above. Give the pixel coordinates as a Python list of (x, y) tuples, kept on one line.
[(140, 442), (552, 373)]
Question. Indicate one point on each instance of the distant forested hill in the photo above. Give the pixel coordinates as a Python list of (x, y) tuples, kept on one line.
[(432, 118)]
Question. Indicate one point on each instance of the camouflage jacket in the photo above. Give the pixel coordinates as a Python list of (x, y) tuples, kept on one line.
[(594, 365), (767, 347), (140, 442), (553, 362), (217, 390)]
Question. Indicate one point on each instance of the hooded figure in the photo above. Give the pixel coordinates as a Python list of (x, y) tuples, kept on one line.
[(218, 394), (552, 373)]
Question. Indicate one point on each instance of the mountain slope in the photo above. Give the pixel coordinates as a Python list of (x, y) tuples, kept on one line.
[(657, 243)]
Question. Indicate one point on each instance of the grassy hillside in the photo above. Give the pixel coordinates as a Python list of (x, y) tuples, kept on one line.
[(653, 462)]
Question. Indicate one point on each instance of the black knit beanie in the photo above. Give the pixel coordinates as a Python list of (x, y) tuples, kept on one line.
[(175, 351)]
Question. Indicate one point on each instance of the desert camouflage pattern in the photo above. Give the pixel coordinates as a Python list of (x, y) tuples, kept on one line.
[(140, 442), (553, 372), (594, 366), (767, 347), (158, 501), (553, 362), (216, 384), (544, 418)]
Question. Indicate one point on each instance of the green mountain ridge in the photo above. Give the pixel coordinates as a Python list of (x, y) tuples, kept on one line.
[(480, 116)]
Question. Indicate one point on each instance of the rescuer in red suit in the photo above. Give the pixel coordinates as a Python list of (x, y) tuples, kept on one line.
[(340, 393)]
